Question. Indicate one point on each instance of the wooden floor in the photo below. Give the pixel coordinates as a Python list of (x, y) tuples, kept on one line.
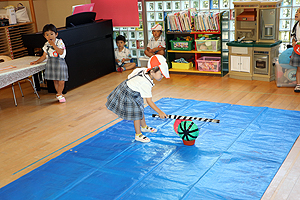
[(38, 130)]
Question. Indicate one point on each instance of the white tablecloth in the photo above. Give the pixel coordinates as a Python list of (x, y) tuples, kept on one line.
[(22, 70)]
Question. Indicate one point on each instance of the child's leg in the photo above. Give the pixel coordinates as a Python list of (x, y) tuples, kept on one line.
[(161, 52), (129, 66), (298, 75), (138, 135), (297, 88), (60, 87)]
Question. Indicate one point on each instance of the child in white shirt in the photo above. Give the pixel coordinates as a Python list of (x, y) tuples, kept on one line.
[(56, 67), (127, 98), (295, 58), (122, 55), (156, 44)]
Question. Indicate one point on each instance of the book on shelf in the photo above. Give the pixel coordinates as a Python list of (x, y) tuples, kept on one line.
[(190, 20)]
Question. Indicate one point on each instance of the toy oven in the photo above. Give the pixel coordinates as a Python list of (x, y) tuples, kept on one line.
[(261, 62)]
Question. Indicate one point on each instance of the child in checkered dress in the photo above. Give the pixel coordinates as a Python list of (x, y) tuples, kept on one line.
[(122, 55), (295, 58), (56, 67), (156, 44), (127, 98)]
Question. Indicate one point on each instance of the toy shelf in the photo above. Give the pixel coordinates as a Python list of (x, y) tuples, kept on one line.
[(172, 54)]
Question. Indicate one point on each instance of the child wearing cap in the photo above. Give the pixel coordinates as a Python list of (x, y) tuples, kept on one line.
[(126, 100), (156, 44)]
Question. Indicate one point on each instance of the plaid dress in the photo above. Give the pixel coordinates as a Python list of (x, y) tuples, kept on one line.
[(56, 68), (125, 102)]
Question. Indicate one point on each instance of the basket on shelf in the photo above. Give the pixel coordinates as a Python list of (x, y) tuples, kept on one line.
[(182, 65), (208, 45), (207, 63), (181, 45)]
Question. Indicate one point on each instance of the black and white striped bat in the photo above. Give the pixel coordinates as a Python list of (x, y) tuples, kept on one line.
[(190, 118)]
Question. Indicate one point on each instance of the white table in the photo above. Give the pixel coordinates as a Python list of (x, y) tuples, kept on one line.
[(18, 69)]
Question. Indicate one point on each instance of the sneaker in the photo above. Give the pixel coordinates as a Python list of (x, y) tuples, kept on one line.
[(148, 129), (61, 99), (297, 88), (120, 69), (141, 138)]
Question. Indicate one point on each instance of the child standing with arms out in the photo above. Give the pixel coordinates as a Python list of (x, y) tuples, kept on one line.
[(56, 67), (122, 55), (295, 58), (156, 44), (127, 98)]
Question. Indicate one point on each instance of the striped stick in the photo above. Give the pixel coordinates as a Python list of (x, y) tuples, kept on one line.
[(190, 118)]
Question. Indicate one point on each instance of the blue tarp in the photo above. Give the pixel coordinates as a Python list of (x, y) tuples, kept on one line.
[(235, 159)]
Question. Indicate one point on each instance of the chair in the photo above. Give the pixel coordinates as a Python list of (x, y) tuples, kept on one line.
[(5, 59)]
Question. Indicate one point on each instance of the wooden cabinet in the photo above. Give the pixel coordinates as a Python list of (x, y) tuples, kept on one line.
[(240, 63), (11, 39)]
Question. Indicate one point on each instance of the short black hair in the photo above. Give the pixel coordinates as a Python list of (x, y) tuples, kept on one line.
[(154, 69), (121, 37), (49, 27)]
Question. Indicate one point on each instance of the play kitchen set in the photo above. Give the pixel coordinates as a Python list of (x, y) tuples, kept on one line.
[(256, 40)]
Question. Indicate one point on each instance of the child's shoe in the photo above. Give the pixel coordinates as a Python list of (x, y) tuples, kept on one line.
[(120, 69), (148, 129), (61, 99), (297, 88), (141, 138)]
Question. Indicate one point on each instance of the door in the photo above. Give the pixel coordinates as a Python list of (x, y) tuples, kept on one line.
[(245, 64), (235, 63)]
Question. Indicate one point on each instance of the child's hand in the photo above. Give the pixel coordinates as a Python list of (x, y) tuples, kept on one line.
[(162, 115), (34, 62), (293, 43), (123, 60), (51, 42)]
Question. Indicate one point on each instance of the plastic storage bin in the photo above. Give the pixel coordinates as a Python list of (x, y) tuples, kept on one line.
[(208, 45), (182, 65), (181, 45), (285, 75), (211, 64)]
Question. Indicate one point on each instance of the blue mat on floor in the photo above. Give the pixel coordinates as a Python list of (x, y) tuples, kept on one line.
[(236, 159)]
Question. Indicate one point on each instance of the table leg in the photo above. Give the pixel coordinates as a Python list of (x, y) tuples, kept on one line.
[(33, 86), (13, 90), (21, 89)]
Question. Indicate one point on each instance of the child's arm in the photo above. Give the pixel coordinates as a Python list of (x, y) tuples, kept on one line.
[(161, 114), (125, 59), (41, 59), (158, 49), (58, 50), (293, 42), (150, 50)]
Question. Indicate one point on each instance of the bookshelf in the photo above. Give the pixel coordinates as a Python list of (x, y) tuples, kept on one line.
[(171, 55)]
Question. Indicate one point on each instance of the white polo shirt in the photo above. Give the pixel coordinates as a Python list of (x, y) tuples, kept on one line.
[(60, 44), (125, 53), (142, 84), (159, 43)]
